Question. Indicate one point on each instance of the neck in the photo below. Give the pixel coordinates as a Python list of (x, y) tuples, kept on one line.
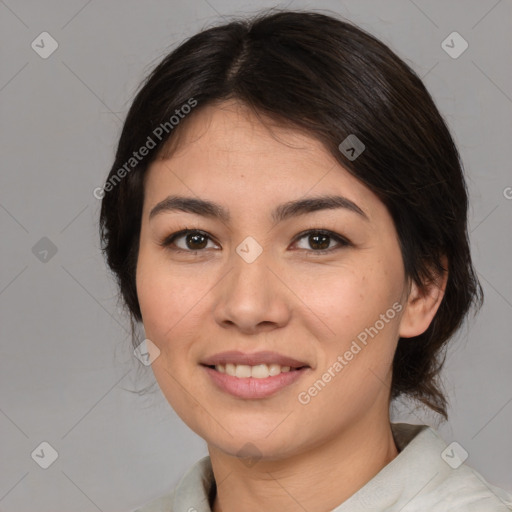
[(305, 481)]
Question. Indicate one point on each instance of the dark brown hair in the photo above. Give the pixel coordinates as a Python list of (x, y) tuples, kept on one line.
[(331, 79)]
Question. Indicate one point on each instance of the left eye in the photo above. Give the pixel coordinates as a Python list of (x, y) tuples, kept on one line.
[(320, 240), (193, 240)]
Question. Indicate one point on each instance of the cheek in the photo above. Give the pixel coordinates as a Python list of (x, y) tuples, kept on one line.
[(165, 298), (167, 303), (351, 297), (356, 356), (356, 303)]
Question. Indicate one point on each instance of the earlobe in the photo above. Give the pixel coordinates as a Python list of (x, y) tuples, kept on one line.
[(422, 305)]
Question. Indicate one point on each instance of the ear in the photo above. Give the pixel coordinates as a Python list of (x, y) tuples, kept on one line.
[(422, 304)]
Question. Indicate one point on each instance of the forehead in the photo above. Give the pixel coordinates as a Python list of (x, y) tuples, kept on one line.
[(232, 127), (228, 150)]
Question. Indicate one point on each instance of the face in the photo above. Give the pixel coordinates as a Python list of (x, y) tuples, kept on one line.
[(268, 281)]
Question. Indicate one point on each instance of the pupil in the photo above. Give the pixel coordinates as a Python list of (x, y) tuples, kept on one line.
[(315, 244), (196, 239)]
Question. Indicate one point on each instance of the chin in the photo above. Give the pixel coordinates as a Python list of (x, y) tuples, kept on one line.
[(262, 443)]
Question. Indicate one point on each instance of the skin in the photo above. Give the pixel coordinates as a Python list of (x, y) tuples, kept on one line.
[(289, 300)]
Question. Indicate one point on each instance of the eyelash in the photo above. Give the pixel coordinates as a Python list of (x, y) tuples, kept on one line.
[(342, 241)]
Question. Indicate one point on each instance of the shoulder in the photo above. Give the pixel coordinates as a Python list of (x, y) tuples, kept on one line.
[(465, 491), (195, 488), (160, 504), (447, 482)]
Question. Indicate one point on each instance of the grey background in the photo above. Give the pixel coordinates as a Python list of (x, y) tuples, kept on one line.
[(66, 365)]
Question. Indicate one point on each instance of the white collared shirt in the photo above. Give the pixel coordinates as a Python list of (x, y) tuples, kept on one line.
[(426, 476)]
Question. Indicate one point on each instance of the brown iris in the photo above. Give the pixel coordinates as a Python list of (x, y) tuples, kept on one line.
[(196, 241), (319, 241)]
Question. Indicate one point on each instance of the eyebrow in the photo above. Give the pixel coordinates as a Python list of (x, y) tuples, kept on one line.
[(279, 214)]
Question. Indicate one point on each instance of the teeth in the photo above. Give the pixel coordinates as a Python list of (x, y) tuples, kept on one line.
[(260, 371)]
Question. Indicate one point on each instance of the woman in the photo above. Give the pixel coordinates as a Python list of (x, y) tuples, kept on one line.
[(287, 217)]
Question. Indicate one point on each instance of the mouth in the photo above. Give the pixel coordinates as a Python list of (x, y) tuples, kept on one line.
[(271, 360), (253, 376), (259, 371)]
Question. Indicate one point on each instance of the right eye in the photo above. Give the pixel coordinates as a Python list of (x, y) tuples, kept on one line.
[(187, 240)]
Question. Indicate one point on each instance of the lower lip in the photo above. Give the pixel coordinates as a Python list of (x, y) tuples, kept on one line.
[(250, 387)]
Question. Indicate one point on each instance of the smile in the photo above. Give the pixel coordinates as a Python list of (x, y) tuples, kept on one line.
[(259, 371), (253, 382)]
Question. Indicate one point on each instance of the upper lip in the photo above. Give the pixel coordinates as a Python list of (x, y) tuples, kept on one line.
[(266, 357)]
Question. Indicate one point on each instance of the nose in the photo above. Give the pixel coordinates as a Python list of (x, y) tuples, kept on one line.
[(251, 298)]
